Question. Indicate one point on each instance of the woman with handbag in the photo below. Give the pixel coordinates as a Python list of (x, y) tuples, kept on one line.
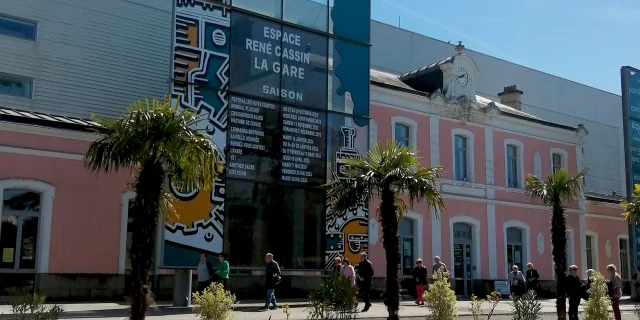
[(532, 278)]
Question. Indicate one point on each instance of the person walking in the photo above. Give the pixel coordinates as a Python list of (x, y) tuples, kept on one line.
[(437, 265), (575, 291), (365, 279), (337, 265), (205, 272), (223, 270), (516, 281), (587, 284), (272, 273), (532, 278), (420, 275), (348, 272), (615, 290)]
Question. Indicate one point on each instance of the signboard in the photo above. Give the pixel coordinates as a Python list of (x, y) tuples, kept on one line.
[(272, 143), (275, 99), (503, 288), (631, 125)]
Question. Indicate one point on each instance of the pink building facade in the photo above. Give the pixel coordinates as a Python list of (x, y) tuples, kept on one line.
[(487, 148), (71, 240)]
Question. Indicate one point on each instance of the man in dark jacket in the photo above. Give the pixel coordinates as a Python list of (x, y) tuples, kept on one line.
[(272, 273), (365, 279), (532, 277)]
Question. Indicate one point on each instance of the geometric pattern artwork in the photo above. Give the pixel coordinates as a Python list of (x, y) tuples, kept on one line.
[(346, 236), (200, 72)]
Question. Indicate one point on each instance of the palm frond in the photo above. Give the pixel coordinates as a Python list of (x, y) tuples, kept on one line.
[(154, 131), (559, 186), (395, 166), (631, 209)]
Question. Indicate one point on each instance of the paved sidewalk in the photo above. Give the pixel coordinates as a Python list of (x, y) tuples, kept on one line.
[(250, 311)]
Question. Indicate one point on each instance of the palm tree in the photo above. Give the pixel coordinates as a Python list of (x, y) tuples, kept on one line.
[(153, 141), (632, 208), (388, 175), (558, 188)]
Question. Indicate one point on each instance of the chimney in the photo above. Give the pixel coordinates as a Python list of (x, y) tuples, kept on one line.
[(460, 48), (511, 97)]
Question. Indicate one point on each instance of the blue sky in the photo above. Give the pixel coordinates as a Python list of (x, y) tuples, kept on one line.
[(581, 40)]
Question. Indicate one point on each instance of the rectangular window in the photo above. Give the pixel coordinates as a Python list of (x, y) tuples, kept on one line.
[(589, 252), (402, 134), (512, 167), (15, 86), (461, 158), (18, 28), (624, 259), (556, 160)]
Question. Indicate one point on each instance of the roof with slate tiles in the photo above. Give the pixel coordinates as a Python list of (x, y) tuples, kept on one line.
[(394, 82)]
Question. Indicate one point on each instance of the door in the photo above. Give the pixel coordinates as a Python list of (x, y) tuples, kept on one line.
[(407, 257), (463, 269), (514, 256)]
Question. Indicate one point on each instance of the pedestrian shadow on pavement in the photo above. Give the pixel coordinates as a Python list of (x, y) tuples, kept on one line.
[(114, 313)]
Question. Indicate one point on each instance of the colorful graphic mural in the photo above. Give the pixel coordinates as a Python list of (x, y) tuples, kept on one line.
[(347, 236), (200, 70)]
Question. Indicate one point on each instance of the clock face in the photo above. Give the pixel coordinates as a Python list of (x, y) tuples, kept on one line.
[(462, 78)]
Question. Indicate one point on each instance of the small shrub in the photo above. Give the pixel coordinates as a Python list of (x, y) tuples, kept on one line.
[(476, 306), (334, 299), (286, 310), (597, 307), (526, 306), (440, 299), (32, 307), (214, 303)]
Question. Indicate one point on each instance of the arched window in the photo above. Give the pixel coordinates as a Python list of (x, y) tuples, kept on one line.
[(25, 227), (19, 229)]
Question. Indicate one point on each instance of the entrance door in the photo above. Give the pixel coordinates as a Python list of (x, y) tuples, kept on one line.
[(514, 256), (462, 269), (407, 256), (463, 259)]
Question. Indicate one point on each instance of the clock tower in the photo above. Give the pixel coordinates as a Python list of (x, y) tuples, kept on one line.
[(460, 76)]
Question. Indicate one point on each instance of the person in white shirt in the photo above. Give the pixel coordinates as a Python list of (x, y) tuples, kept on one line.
[(516, 281)]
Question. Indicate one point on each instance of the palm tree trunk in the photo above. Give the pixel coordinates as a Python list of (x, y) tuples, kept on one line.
[(391, 244), (559, 241), (149, 188)]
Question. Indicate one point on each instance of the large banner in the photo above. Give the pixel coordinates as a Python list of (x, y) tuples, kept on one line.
[(631, 125), (286, 101)]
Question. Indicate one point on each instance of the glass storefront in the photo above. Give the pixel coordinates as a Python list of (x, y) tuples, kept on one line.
[(285, 88)]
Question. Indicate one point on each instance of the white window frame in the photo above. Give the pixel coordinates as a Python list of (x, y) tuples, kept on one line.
[(475, 243), (564, 155), (470, 152), (48, 193), (520, 149), (413, 129), (594, 249), (619, 266), (526, 241)]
